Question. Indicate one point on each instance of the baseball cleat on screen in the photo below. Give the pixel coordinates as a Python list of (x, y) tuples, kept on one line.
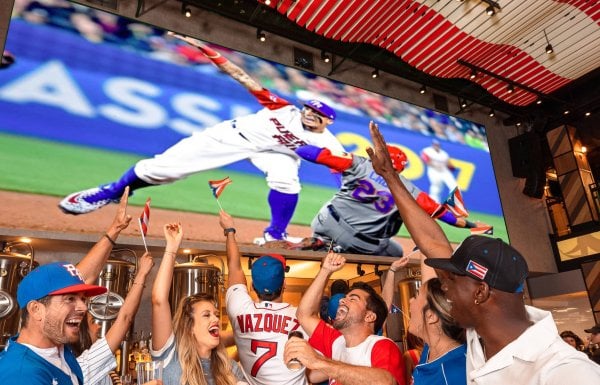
[(86, 201), (483, 230), (260, 241)]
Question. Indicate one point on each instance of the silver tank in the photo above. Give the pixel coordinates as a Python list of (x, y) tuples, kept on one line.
[(194, 277), (16, 261), (117, 276), (407, 289)]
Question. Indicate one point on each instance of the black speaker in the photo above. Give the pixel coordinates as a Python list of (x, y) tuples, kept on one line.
[(535, 182), (523, 150)]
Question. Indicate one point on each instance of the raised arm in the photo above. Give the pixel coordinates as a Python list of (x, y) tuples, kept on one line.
[(308, 309), (235, 273), (126, 315), (387, 292), (162, 325), (426, 233), (92, 264), (223, 63)]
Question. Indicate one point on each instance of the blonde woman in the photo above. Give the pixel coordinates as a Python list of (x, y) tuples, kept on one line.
[(188, 344)]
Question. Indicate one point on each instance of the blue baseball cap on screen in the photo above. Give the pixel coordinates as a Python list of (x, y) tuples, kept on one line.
[(54, 279), (268, 273), (321, 108)]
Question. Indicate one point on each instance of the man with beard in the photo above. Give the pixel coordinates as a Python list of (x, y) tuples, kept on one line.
[(53, 304), (507, 341), (352, 353)]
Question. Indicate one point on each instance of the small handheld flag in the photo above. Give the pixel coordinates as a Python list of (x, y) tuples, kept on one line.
[(217, 187), (144, 221)]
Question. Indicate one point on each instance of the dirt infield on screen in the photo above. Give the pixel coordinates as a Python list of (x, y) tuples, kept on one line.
[(56, 169)]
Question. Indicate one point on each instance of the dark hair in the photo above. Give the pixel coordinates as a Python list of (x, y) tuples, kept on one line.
[(85, 340), (25, 313), (268, 296), (437, 303), (375, 303), (339, 286), (568, 333)]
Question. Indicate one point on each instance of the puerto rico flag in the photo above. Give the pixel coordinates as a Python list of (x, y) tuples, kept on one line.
[(217, 186), (395, 309), (145, 218), (476, 270)]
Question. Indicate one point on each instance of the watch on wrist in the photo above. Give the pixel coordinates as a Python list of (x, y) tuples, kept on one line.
[(228, 230)]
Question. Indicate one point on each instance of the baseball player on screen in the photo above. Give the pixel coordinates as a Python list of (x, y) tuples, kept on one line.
[(267, 138), (260, 328), (362, 216)]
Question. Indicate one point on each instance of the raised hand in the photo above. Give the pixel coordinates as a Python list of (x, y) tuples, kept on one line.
[(225, 220), (173, 234), (190, 40), (145, 264), (380, 157), (399, 263), (333, 262), (122, 219)]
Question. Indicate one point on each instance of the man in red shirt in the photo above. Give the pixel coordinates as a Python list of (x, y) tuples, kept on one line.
[(352, 352)]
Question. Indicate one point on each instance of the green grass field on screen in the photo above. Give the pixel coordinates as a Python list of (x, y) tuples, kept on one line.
[(57, 169)]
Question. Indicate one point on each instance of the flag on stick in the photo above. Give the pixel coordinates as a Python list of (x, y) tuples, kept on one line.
[(144, 221), (217, 187)]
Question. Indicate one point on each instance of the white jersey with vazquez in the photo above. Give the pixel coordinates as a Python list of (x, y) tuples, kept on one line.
[(261, 331), (277, 128)]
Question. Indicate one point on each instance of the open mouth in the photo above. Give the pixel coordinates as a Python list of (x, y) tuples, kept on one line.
[(73, 323), (341, 312), (214, 331)]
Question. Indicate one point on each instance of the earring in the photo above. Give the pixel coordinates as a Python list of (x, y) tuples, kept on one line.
[(476, 302)]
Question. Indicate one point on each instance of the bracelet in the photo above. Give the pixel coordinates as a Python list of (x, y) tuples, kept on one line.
[(137, 283), (392, 270), (110, 239), (173, 253), (228, 230)]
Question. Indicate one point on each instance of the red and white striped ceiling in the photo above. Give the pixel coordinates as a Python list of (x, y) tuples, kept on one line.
[(433, 35)]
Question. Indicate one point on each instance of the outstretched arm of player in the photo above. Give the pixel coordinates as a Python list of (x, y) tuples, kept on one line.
[(426, 233), (234, 265), (92, 264), (337, 162), (308, 309), (223, 63)]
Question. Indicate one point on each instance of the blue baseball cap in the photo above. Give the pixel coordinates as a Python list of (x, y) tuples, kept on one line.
[(268, 273), (334, 303), (54, 279), (321, 108)]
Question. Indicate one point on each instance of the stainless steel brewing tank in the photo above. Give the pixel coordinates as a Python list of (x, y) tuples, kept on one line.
[(408, 288), (194, 277), (117, 276), (13, 267)]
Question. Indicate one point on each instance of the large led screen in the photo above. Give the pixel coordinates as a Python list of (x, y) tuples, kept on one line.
[(91, 93)]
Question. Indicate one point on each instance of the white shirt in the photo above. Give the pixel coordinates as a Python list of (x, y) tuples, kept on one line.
[(537, 357), (261, 332), (437, 159), (96, 362), (55, 356)]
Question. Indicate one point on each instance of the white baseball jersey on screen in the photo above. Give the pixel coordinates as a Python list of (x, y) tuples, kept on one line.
[(261, 332), (275, 128), (437, 159)]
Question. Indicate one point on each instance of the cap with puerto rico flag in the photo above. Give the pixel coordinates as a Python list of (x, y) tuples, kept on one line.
[(486, 259)]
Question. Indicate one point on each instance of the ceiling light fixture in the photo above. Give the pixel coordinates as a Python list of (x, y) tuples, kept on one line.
[(375, 73), (588, 114), (490, 11), (566, 112), (423, 89), (186, 10), (549, 49), (539, 101), (325, 57), (463, 103), (473, 74), (260, 35), (510, 88), (492, 113), (267, 2)]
